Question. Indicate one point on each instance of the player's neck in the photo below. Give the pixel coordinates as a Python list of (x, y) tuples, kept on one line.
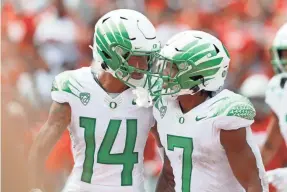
[(188, 102), (111, 84)]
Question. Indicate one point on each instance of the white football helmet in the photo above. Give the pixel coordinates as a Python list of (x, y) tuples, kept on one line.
[(119, 35), (192, 61), (254, 86), (279, 45)]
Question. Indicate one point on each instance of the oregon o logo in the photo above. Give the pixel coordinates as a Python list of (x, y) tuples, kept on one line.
[(154, 46), (113, 105), (181, 120)]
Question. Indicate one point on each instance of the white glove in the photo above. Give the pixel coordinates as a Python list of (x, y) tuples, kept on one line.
[(278, 178), (143, 98)]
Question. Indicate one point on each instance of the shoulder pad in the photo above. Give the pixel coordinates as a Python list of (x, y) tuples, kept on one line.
[(242, 110), (66, 82), (236, 106)]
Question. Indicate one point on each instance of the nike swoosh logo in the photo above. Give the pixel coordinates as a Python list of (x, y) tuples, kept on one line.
[(199, 118)]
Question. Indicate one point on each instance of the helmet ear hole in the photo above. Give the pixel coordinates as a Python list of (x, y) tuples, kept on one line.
[(104, 66), (198, 77)]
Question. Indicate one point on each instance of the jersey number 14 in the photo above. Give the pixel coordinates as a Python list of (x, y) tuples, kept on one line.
[(128, 158)]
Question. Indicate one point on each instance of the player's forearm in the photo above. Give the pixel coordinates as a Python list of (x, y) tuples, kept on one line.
[(254, 182), (40, 149), (165, 183), (58, 120), (244, 167), (242, 159), (247, 174), (35, 167), (166, 180), (36, 162)]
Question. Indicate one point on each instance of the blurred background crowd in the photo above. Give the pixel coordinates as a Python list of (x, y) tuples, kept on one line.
[(41, 38)]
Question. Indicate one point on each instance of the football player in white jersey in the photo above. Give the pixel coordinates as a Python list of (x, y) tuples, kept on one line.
[(276, 98), (108, 130), (206, 135)]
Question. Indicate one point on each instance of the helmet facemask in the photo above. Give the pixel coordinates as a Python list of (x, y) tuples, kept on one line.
[(135, 65), (279, 59), (175, 77), (124, 45)]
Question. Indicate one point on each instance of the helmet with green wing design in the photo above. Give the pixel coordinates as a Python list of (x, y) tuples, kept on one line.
[(191, 61), (279, 50), (124, 45)]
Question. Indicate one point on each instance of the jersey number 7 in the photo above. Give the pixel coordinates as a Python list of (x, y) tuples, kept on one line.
[(128, 158), (186, 144)]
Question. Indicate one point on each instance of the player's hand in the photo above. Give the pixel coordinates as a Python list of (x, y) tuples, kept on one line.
[(278, 178), (143, 98)]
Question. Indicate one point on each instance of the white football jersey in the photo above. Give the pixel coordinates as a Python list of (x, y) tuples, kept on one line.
[(192, 141), (276, 98), (108, 134)]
